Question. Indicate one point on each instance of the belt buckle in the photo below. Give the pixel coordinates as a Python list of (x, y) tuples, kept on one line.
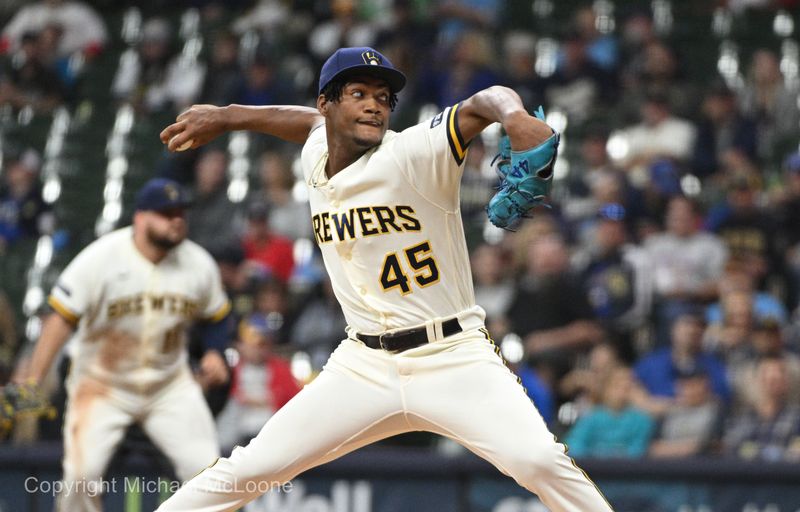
[(385, 336)]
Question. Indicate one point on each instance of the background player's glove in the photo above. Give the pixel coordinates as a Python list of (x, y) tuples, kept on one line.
[(527, 177), (17, 400)]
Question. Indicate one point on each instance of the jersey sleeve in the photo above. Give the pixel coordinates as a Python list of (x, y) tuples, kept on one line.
[(71, 296), (432, 154), (216, 304)]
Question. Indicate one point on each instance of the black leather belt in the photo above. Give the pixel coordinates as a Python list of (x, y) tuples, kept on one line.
[(399, 341)]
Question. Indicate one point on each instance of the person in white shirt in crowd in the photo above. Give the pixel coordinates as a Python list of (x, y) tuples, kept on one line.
[(83, 29)]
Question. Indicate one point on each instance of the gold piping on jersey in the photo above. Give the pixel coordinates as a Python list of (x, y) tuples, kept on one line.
[(488, 336), (221, 313), (454, 138), (63, 310), (485, 332), (585, 475)]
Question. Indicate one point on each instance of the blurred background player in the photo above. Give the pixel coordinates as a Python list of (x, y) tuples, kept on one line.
[(129, 299)]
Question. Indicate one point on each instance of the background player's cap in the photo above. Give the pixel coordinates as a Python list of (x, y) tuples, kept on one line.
[(161, 194), (360, 60)]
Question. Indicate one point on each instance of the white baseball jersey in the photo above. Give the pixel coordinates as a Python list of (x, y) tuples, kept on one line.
[(132, 315), (390, 231)]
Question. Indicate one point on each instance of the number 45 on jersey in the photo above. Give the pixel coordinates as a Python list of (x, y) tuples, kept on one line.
[(417, 261)]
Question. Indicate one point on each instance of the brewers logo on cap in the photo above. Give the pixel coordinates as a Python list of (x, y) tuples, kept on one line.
[(371, 58)]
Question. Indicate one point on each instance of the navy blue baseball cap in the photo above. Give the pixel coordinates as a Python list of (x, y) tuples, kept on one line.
[(360, 60), (160, 194)]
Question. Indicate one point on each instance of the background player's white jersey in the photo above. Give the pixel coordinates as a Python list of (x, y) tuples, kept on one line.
[(389, 227), (132, 315)]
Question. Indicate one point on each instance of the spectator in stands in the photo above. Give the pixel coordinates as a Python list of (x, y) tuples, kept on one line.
[(23, 212), (691, 426), (319, 326), (787, 214), (261, 383), (288, 217), (769, 430), (658, 136), (65, 67), (83, 28), (636, 32), (617, 280), (731, 338), (155, 80), (771, 101), (766, 340), (519, 69), (542, 226), (584, 384), (605, 188), (456, 18), (601, 48), (593, 180), (240, 278), (224, 78), (465, 71), (261, 85), (271, 299), (269, 17), (550, 311), (28, 81), (615, 427), (493, 283), (738, 277), (722, 129), (654, 69), (263, 246), (589, 165), (658, 370), (578, 84), (343, 29), (686, 263), (213, 218), (407, 27), (748, 230)]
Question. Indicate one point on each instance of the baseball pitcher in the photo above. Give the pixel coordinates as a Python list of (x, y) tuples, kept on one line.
[(385, 214)]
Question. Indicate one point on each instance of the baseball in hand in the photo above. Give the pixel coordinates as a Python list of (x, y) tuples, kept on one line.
[(186, 145)]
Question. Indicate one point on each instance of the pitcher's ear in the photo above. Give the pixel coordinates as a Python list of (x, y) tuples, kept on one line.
[(322, 104)]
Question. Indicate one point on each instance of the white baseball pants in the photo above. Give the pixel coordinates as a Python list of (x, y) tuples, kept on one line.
[(97, 417), (457, 387)]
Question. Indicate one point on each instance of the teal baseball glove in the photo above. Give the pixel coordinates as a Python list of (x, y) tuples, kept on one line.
[(527, 177)]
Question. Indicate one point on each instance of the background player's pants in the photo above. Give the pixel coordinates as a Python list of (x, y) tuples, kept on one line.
[(97, 417), (458, 387)]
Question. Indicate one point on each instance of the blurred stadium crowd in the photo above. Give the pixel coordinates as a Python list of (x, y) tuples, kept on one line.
[(652, 311)]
